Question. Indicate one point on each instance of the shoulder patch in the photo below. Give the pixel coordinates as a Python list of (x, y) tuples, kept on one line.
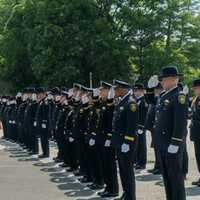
[(133, 107), (182, 99)]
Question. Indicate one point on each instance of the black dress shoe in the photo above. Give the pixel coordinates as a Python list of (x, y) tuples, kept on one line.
[(102, 193), (43, 156), (85, 180), (78, 173), (63, 165), (156, 172), (151, 170), (140, 167), (109, 194), (71, 170), (96, 187), (121, 198), (196, 182)]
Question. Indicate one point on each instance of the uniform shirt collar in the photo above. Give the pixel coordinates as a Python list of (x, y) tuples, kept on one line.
[(168, 91), (124, 97)]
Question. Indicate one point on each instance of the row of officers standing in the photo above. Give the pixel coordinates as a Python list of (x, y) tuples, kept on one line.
[(98, 130)]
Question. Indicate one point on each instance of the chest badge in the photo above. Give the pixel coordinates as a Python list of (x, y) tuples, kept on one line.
[(181, 99), (133, 107)]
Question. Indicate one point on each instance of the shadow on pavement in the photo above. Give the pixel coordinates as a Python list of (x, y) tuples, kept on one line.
[(148, 177), (193, 191)]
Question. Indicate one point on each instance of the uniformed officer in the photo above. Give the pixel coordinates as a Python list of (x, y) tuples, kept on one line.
[(195, 124), (170, 129), (153, 93), (95, 154), (105, 135), (72, 129), (43, 122), (141, 150), (124, 137), (60, 124)]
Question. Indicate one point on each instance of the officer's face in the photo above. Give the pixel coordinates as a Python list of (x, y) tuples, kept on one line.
[(41, 96), (139, 93), (120, 92), (196, 90), (169, 82), (104, 93)]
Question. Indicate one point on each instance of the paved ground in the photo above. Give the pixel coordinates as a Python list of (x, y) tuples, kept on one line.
[(26, 178)]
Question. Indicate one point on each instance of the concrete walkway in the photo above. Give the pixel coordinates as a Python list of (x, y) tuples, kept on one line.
[(26, 178)]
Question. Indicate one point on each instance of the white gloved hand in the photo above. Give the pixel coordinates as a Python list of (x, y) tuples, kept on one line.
[(185, 89), (140, 131), (70, 93), (19, 94), (111, 93), (71, 139), (65, 102), (35, 124), (153, 81), (107, 143), (84, 99), (49, 97), (125, 148), (92, 142), (34, 97), (77, 97), (173, 149), (96, 92), (44, 126)]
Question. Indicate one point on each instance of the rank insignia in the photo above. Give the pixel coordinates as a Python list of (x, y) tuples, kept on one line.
[(133, 107), (181, 99)]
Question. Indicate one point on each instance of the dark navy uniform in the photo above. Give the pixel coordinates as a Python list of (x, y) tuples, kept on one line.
[(109, 155), (44, 124), (194, 130), (141, 152), (95, 148), (170, 128), (124, 132)]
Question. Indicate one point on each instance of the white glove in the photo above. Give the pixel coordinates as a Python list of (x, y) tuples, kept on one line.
[(65, 102), (96, 92), (70, 93), (153, 81), (92, 142), (50, 97), (140, 131), (173, 149), (107, 143), (44, 126), (19, 94), (34, 97), (35, 124), (111, 93), (71, 139), (84, 99), (77, 97), (125, 148), (186, 90)]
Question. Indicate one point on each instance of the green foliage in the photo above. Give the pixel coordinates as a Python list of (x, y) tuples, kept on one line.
[(45, 42)]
